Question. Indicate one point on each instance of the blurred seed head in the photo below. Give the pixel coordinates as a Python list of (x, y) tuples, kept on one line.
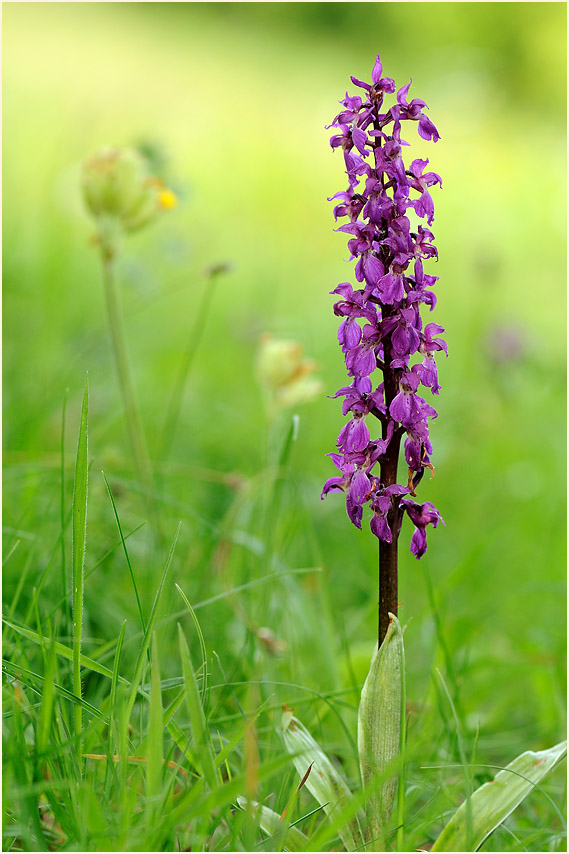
[(285, 374), (119, 187), (274, 645)]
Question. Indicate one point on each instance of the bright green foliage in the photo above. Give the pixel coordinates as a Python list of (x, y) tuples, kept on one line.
[(493, 802)]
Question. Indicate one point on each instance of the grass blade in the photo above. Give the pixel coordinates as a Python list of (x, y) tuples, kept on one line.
[(62, 509), (115, 674), (147, 634), (78, 550), (48, 697), (201, 640), (464, 763), (34, 679), (273, 825), (202, 741), (125, 551), (155, 755), (64, 651)]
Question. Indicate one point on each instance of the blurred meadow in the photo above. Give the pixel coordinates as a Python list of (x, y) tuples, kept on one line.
[(231, 101)]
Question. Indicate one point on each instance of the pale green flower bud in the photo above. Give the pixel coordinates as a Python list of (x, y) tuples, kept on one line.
[(285, 374), (118, 187)]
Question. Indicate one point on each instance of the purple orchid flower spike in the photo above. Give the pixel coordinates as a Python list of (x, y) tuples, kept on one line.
[(386, 205)]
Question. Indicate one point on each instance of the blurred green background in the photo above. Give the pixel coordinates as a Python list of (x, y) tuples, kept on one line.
[(237, 96)]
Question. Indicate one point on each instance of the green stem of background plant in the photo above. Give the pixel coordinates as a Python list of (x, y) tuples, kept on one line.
[(173, 413), (132, 414), (62, 512)]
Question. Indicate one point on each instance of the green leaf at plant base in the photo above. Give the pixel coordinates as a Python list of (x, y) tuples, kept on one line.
[(379, 728), (493, 802), (324, 782), (274, 825)]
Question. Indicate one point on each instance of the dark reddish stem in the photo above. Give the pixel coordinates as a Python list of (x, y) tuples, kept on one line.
[(388, 562), (388, 557)]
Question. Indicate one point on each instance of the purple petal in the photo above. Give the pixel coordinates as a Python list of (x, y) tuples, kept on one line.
[(427, 129), (373, 269), (419, 542), (377, 70), (359, 487), (360, 83), (380, 528), (402, 93), (359, 436), (354, 512), (424, 206), (332, 483)]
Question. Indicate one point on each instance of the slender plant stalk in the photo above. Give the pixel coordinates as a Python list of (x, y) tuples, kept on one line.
[(173, 413), (62, 510), (118, 340), (388, 552)]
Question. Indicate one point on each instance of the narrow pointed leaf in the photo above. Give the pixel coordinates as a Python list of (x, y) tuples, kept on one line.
[(155, 746), (202, 740), (273, 825), (65, 651), (379, 728), (324, 782), (492, 803), (149, 627)]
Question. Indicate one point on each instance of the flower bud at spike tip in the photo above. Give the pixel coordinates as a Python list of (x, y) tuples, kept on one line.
[(379, 729)]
